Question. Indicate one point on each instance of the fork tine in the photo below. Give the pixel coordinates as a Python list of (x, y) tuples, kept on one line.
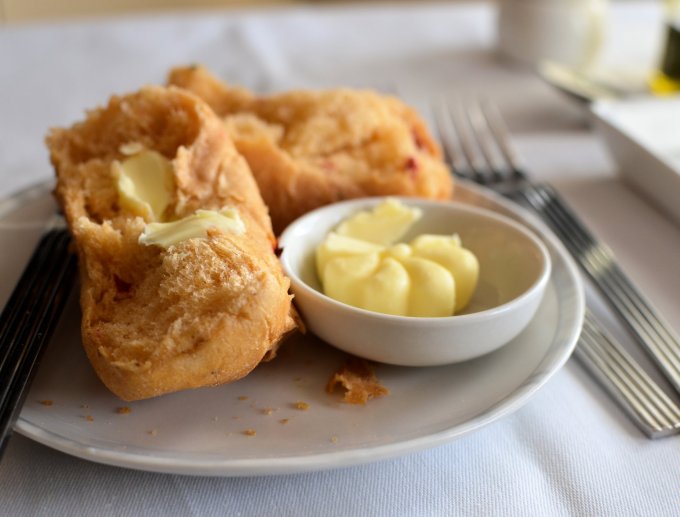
[(499, 130), (485, 141), (461, 126), (446, 132)]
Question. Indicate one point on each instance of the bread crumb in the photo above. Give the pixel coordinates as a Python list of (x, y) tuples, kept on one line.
[(358, 380), (153, 432), (334, 439), (284, 421), (242, 397), (302, 406), (47, 402), (123, 410), (250, 432), (89, 418), (268, 410)]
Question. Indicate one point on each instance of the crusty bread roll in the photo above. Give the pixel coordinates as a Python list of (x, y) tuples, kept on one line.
[(199, 313), (307, 149)]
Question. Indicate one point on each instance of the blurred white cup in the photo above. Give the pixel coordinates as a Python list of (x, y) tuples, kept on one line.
[(569, 32)]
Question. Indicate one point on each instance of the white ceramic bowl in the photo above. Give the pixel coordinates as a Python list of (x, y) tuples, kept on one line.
[(514, 271)]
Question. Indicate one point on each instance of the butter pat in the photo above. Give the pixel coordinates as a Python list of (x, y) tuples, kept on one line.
[(387, 289), (336, 246), (448, 252), (145, 183), (361, 264), (194, 226), (433, 288), (344, 276), (385, 224)]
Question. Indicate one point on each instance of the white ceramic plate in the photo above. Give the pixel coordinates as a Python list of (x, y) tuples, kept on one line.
[(202, 431)]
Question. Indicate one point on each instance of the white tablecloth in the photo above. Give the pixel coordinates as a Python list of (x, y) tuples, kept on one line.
[(569, 451)]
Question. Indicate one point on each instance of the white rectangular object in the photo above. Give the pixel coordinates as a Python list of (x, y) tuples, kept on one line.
[(643, 136)]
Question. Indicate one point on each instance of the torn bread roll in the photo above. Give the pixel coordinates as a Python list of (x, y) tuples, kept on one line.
[(311, 148), (170, 300)]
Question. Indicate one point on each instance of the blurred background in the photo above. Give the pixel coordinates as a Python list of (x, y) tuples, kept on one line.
[(16, 11)]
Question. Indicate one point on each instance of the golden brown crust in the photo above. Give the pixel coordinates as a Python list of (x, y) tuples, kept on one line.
[(307, 149), (357, 379), (203, 312)]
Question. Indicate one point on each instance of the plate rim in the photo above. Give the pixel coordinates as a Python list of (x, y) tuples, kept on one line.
[(548, 366)]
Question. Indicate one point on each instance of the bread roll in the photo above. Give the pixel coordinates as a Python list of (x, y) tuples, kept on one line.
[(204, 311), (311, 148)]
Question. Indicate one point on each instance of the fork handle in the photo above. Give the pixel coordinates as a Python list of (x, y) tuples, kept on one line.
[(644, 322), (649, 407), (29, 319)]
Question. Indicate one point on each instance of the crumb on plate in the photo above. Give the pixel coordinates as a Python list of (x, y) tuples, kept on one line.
[(358, 380)]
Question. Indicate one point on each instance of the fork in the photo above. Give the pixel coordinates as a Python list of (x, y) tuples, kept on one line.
[(477, 147), (649, 407), (29, 319)]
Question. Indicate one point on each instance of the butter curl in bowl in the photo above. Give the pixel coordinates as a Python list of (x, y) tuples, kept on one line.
[(414, 282)]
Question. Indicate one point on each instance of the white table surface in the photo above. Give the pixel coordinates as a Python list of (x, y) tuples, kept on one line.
[(569, 451)]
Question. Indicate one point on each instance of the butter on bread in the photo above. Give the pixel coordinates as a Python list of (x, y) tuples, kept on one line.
[(311, 148), (201, 312)]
